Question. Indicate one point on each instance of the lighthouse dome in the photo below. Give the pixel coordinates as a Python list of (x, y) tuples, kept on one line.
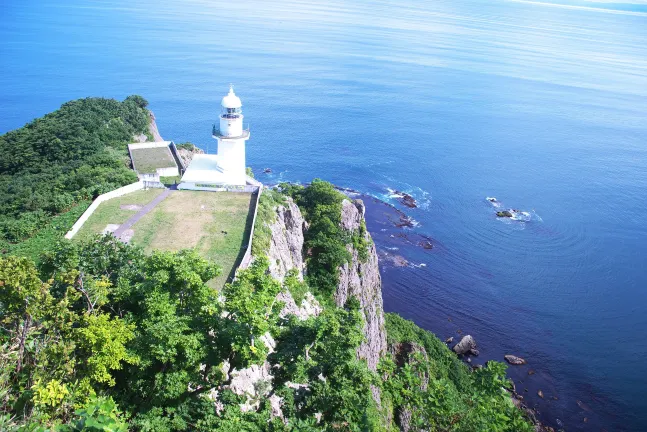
[(231, 100)]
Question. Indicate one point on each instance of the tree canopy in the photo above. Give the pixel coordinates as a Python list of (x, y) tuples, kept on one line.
[(62, 159)]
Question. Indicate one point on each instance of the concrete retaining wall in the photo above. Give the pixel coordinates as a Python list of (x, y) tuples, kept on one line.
[(247, 258), (101, 198), (178, 159), (168, 172), (145, 145)]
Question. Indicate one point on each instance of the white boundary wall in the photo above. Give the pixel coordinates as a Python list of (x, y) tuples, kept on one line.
[(101, 198), (156, 144), (247, 258)]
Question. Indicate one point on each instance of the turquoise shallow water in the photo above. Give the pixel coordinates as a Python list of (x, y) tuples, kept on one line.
[(540, 105)]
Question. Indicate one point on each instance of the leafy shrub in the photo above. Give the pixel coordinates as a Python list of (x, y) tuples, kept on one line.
[(325, 241), (440, 392)]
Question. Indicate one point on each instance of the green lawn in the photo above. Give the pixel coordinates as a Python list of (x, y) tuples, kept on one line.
[(147, 160), (217, 224), (110, 212)]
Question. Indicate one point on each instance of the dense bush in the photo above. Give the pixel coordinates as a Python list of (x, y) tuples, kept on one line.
[(324, 241), (440, 392), (68, 156)]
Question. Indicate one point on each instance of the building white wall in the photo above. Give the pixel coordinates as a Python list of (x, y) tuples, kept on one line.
[(231, 157)]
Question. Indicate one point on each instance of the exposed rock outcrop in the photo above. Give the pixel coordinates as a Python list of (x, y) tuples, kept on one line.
[(152, 127), (309, 306), (286, 245), (466, 345), (403, 353), (362, 280), (186, 155)]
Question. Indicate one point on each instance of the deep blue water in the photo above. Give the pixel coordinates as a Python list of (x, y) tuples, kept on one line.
[(543, 106)]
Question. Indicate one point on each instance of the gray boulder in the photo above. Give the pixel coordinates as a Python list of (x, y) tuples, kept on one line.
[(466, 344), (514, 360)]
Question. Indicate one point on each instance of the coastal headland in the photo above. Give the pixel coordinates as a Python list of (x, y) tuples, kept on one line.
[(298, 339)]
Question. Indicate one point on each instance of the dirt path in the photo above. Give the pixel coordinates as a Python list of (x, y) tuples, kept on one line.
[(119, 232)]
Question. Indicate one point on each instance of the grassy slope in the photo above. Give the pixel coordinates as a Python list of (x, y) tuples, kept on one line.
[(189, 219), (109, 212)]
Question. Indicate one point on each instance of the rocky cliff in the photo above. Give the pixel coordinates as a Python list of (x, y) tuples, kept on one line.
[(152, 130), (357, 278), (286, 244), (361, 279)]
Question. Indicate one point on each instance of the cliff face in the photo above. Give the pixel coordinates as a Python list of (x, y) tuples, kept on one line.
[(356, 278), (152, 127), (286, 246), (362, 280)]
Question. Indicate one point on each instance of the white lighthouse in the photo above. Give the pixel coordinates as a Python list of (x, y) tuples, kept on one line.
[(227, 168), (231, 138)]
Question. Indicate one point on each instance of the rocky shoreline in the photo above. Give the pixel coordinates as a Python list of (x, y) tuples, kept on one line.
[(393, 237), (395, 230)]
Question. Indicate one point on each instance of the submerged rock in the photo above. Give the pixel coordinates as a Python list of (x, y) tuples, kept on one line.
[(408, 200), (514, 360), (449, 340), (466, 344), (426, 244)]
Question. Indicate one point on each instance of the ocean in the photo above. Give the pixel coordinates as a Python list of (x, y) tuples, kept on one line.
[(541, 105)]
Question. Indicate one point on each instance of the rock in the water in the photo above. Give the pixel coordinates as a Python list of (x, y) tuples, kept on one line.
[(540, 394), (267, 170), (466, 344), (407, 199), (514, 360), (504, 213), (426, 244), (449, 340), (474, 352), (531, 372)]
